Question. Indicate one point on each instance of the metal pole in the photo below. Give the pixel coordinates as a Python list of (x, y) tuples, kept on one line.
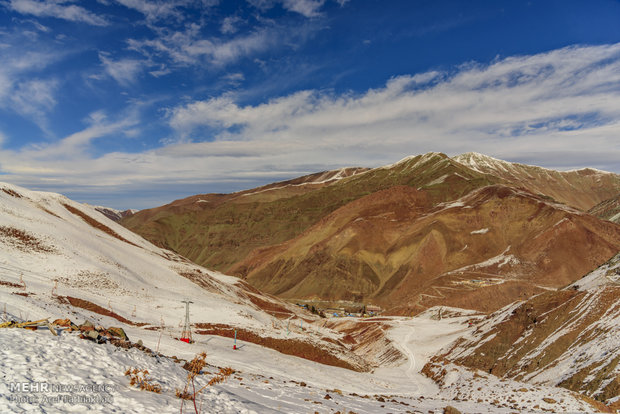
[(186, 335)]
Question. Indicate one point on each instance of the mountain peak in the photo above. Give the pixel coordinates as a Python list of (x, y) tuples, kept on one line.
[(482, 163), (418, 158)]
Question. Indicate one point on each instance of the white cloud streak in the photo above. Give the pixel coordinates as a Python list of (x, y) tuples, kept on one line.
[(58, 9), (230, 24), (513, 107), (154, 9), (191, 48), (124, 71), (307, 8), (559, 109), (21, 90)]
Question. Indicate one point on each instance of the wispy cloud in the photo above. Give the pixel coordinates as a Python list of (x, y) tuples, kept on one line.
[(35, 98), (23, 88), (60, 9), (307, 8), (229, 24), (55, 159), (559, 109), (154, 10), (124, 71), (509, 108), (190, 47)]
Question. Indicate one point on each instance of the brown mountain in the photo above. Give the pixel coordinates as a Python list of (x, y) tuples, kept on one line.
[(472, 231), (395, 248), (220, 230)]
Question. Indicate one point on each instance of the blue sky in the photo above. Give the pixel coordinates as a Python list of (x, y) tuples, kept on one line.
[(134, 103)]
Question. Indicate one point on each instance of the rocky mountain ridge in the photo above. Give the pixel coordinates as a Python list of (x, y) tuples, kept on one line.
[(405, 236)]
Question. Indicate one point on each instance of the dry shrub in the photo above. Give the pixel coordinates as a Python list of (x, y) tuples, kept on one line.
[(194, 368), (140, 379)]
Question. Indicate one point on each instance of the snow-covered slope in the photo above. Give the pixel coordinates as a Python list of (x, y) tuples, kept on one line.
[(563, 338), (68, 256), (47, 238), (81, 376), (54, 251)]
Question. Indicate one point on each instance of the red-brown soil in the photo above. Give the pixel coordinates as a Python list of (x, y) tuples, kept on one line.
[(10, 284), (293, 347), (85, 304), (23, 240), (94, 223)]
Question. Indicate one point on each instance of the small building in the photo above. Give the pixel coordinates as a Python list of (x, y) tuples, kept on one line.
[(373, 310)]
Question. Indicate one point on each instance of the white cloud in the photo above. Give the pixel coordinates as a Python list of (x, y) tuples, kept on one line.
[(153, 9), (307, 8), (56, 158), (190, 47), (58, 9), (124, 71), (35, 98), (234, 78), (23, 89), (559, 109), (564, 100), (229, 24)]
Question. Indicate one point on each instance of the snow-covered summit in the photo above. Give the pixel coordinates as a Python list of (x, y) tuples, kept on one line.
[(485, 163), (115, 214)]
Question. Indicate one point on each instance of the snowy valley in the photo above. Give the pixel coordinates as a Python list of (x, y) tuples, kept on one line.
[(63, 260)]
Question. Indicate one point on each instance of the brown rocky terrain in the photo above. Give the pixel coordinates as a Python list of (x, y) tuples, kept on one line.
[(567, 338), (608, 209), (396, 249), (471, 231)]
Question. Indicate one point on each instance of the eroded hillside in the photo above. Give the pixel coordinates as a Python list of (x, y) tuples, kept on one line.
[(471, 231), (567, 338)]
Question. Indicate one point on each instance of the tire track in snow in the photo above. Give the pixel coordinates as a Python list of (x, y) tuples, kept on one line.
[(411, 370), (404, 347)]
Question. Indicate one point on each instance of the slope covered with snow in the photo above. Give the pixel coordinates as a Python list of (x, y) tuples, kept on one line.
[(58, 259), (66, 255), (563, 338)]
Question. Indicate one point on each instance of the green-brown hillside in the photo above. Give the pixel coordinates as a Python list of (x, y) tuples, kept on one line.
[(219, 230), (397, 249), (388, 235)]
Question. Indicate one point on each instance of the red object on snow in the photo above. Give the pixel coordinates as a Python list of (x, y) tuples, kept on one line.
[(234, 346), (184, 340)]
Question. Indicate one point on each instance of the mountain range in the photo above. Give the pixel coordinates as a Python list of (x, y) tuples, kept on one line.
[(469, 231), (537, 335)]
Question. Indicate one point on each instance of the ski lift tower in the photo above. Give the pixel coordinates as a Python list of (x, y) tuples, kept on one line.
[(186, 335)]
